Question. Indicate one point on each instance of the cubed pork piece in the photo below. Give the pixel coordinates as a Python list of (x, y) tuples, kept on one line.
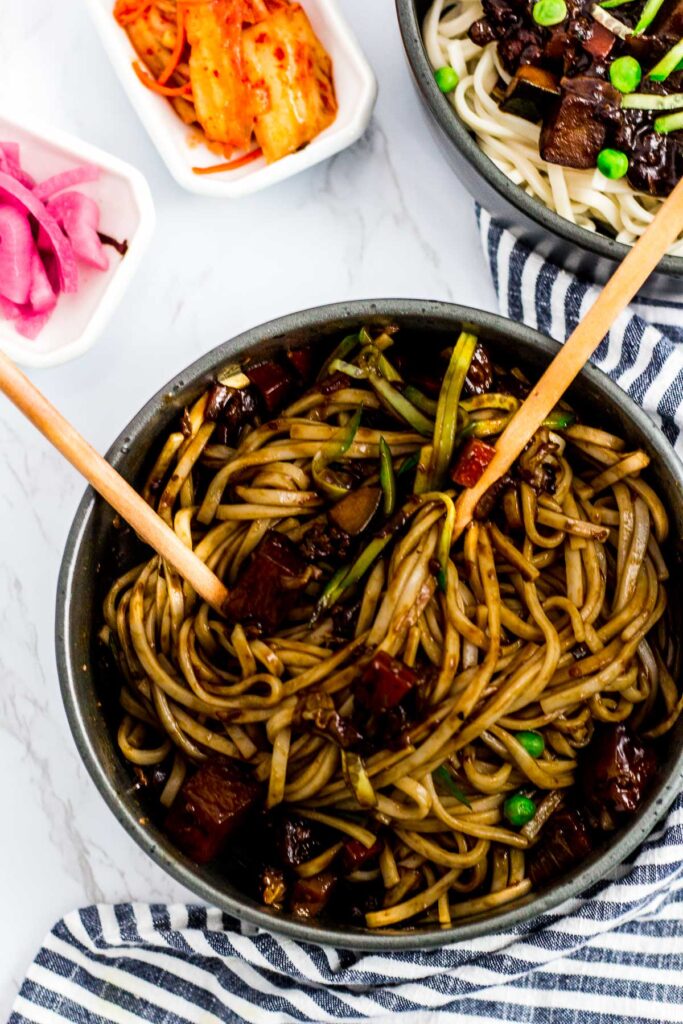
[(211, 805), (575, 132)]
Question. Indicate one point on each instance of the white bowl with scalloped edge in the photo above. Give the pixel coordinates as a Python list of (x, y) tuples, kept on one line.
[(126, 213), (354, 82)]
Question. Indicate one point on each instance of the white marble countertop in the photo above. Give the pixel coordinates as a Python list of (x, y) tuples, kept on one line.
[(386, 218)]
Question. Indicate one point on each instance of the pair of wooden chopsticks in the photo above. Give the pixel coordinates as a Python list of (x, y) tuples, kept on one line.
[(616, 295)]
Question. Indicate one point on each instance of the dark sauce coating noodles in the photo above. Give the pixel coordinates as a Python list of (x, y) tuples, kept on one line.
[(386, 727)]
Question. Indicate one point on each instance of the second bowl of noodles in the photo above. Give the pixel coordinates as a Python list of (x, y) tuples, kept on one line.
[(495, 128), (386, 741)]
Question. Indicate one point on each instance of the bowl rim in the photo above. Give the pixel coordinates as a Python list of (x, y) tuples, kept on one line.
[(455, 131), (84, 728)]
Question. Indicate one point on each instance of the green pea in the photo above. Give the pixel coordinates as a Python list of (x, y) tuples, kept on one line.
[(532, 742), (625, 74), (446, 78), (612, 163), (549, 12), (519, 809)]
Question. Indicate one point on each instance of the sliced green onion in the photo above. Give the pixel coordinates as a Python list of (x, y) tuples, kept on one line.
[(609, 4), (385, 340), (613, 25), (386, 477), (338, 445), (419, 400), (445, 427), (345, 346), (400, 405), (668, 63), (559, 419), (549, 12), (346, 577), (485, 428), (647, 16), (494, 400), (446, 78), (350, 369), (330, 593), (649, 101), (388, 370), (408, 464), (422, 473), (612, 163), (669, 123), (443, 549), (625, 74), (442, 777)]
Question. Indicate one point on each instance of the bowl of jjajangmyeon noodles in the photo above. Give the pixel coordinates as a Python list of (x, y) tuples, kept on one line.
[(386, 739), (560, 116)]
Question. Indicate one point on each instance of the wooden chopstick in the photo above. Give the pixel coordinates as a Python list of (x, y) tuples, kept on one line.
[(629, 276), (109, 484)]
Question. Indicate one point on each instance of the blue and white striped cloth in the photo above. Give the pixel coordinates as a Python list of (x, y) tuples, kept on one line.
[(641, 353), (615, 954)]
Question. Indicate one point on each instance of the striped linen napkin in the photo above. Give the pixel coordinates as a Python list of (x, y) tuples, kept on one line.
[(615, 954), (641, 353)]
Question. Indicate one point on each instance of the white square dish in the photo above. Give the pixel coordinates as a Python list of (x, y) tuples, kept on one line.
[(126, 213), (355, 87)]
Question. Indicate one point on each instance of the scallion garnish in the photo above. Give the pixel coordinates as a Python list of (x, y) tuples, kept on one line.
[(337, 446), (408, 464), (420, 400), (669, 123), (559, 419), (649, 101), (443, 777), (345, 346), (386, 477), (348, 575), (400, 405), (648, 15), (668, 64), (447, 408), (613, 25)]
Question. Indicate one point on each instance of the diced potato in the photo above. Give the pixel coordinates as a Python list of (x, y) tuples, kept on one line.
[(220, 89), (291, 75)]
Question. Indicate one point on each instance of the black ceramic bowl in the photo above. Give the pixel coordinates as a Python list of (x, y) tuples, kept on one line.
[(87, 564), (592, 255)]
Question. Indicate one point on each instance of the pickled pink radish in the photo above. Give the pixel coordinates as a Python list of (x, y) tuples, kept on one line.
[(41, 297), (16, 172), (44, 229), (12, 152), (66, 261), (79, 217), (9, 162), (67, 179), (30, 324), (16, 251), (9, 310)]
